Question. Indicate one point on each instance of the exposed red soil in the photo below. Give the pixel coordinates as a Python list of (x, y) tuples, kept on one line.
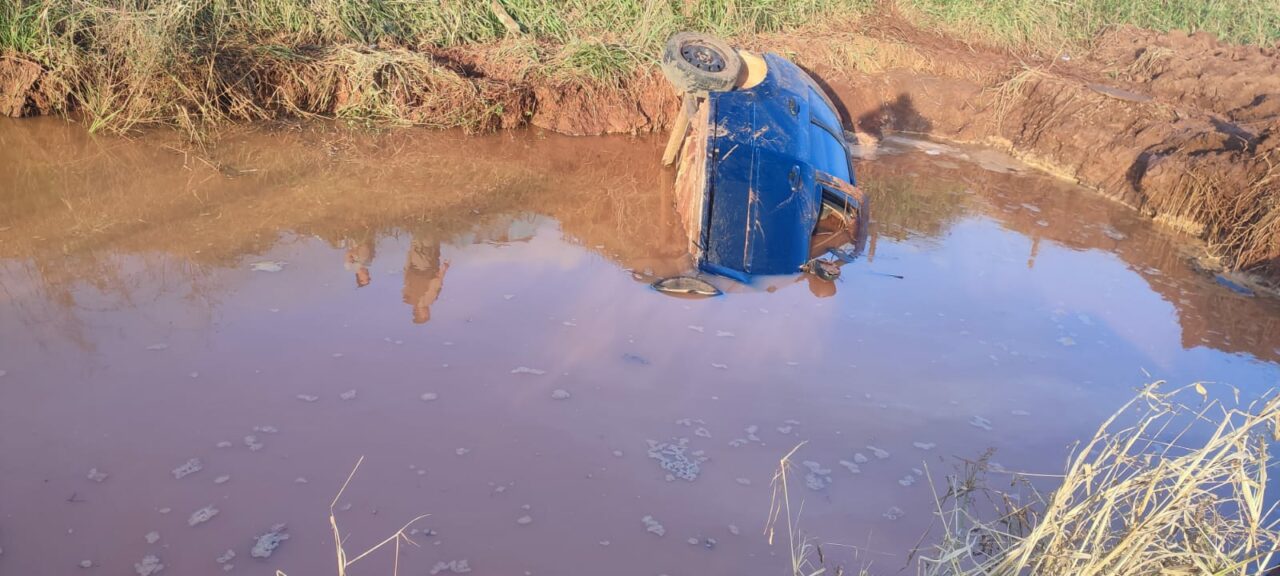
[(1241, 83), (1182, 128), (1190, 138)]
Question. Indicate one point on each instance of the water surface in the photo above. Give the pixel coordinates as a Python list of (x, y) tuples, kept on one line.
[(425, 300)]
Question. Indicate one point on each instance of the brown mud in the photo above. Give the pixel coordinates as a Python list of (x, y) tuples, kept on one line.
[(1184, 129), (1120, 119)]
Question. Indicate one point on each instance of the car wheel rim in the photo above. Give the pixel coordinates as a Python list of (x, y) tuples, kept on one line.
[(702, 57)]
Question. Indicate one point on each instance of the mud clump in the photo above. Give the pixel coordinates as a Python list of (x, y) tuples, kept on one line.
[(202, 515), (190, 467), (265, 544), (652, 526), (452, 566), (1237, 81), (150, 564), (676, 458), (818, 477)]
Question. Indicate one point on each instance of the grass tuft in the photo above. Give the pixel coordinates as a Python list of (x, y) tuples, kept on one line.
[(1045, 24), (344, 558), (125, 64), (1163, 488)]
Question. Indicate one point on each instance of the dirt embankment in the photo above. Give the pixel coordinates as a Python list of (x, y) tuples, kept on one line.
[(1182, 128), (477, 87)]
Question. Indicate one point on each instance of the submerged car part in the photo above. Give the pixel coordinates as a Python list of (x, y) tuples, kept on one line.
[(761, 162), (686, 286)]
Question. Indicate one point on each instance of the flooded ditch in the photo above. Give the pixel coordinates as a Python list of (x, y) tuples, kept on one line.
[(197, 348)]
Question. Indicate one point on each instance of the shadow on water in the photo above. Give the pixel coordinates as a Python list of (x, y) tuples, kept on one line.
[(900, 115)]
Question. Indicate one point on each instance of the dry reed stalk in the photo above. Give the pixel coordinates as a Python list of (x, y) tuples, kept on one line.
[(1161, 489), (345, 561)]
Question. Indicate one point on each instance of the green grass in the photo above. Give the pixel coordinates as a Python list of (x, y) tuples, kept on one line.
[(129, 63), (191, 64), (1044, 24)]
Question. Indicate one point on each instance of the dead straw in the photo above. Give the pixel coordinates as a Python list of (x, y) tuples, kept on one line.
[(345, 561), (1162, 488)]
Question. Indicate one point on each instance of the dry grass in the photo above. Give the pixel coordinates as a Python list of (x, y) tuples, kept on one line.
[(346, 560), (1240, 225), (125, 64), (1248, 232), (1055, 25), (1162, 489), (804, 551), (1148, 64), (1011, 94)]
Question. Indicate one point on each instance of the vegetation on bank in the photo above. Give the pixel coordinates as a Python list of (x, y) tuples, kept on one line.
[(1164, 488), (126, 63), (1167, 486), (1050, 25)]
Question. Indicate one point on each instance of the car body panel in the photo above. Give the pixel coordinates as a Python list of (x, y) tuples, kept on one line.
[(774, 152)]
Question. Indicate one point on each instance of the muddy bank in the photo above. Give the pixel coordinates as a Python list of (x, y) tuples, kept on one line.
[(1142, 119), (1181, 128), (479, 88)]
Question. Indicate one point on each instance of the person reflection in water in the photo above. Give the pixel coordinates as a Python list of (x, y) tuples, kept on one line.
[(359, 258), (423, 278)]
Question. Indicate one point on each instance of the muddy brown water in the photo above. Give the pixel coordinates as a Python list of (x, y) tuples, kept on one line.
[(308, 287)]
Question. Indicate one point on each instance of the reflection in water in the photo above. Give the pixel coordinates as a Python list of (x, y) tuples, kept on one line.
[(359, 258), (819, 287), (423, 278), (423, 272), (920, 197), (135, 336)]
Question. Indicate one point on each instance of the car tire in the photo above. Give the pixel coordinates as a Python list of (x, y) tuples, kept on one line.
[(695, 62)]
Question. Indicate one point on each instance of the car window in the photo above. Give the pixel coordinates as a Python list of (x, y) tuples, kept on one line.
[(821, 113), (827, 153)]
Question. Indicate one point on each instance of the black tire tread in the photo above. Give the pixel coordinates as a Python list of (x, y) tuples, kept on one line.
[(688, 78)]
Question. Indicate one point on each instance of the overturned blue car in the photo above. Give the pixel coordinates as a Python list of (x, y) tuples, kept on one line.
[(765, 184)]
